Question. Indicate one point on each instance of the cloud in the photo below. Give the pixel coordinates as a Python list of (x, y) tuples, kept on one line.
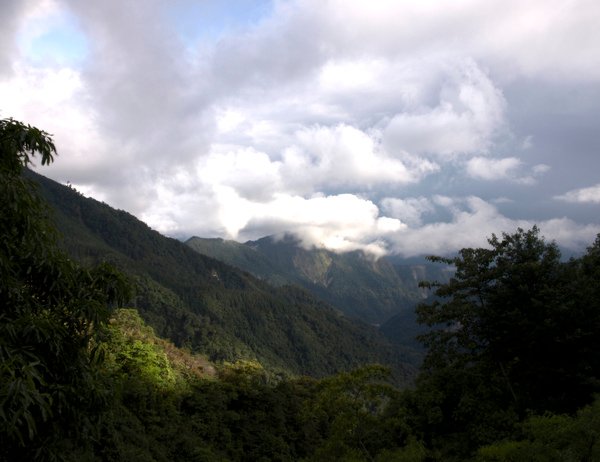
[(250, 173), (345, 156), (12, 13), (546, 40), (492, 169), (540, 169), (582, 195), (352, 124), (409, 211), (317, 158), (467, 113), (55, 100), (508, 168), (537, 39), (473, 221), (345, 222), (342, 222)]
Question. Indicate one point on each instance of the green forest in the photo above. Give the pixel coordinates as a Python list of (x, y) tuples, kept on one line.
[(109, 352)]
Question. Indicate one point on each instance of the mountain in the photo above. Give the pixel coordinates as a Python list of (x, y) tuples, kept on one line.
[(365, 288), (211, 307)]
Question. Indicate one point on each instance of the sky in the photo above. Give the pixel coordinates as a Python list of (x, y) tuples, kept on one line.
[(393, 126)]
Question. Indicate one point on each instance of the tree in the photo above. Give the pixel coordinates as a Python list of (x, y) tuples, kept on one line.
[(52, 311), (507, 334), (354, 416), (551, 438)]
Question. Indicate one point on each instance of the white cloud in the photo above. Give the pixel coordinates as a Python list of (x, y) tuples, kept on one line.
[(341, 222), (540, 169), (346, 76), (345, 156), (582, 195), (316, 158), (305, 119), (209, 206), (347, 222), (492, 169), (538, 39), (566, 232), (409, 211), (228, 120), (55, 100), (508, 168), (250, 173), (468, 112), (474, 220)]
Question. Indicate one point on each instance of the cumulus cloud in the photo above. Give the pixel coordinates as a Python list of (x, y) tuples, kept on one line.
[(473, 221), (492, 169), (351, 124), (55, 100), (345, 156), (582, 195), (317, 158), (467, 113), (343, 222), (250, 173), (508, 168), (409, 211)]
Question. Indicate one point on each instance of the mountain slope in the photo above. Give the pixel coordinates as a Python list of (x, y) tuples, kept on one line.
[(362, 287), (211, 307)]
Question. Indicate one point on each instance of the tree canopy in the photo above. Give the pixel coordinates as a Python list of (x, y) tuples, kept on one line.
[(52, 310), (511, 333)]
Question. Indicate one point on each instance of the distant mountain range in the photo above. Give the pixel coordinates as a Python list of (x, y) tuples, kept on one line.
[(362, 287), (211, 307)]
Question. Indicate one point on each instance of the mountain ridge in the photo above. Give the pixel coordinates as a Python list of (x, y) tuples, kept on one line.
[(365, 288), (211, 307)]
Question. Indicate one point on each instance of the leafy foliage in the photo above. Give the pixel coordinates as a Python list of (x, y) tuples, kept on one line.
[(551, 437), (512, 334), (352, 412), (20, 142), (52, 309)]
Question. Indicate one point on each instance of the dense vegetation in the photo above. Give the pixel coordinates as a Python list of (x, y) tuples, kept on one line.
[(52, 313), (215, 309), (372, 290), (511, 372), (516, 334)]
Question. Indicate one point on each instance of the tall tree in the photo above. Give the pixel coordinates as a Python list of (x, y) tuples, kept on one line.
[(51, 311), (507, 334)]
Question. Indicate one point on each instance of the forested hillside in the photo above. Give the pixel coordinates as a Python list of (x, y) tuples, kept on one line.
[(365, 288), (512, 370), (210, 307)]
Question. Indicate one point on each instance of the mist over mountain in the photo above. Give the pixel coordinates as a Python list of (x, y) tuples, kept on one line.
[(213, 308), (363, 287)]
